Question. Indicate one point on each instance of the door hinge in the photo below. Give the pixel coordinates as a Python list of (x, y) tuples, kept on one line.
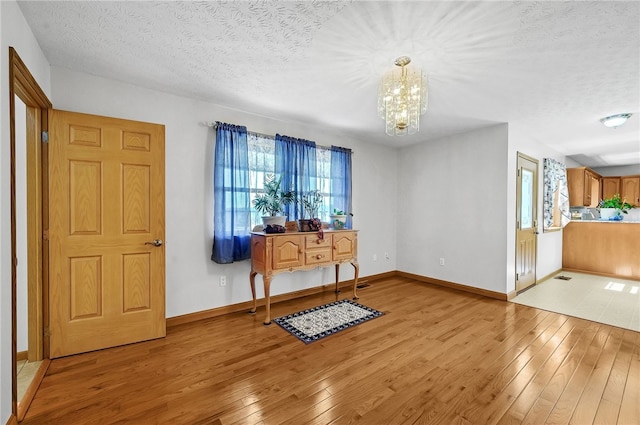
[(517, 276), (45, 235), (518, 175), (45, 137)]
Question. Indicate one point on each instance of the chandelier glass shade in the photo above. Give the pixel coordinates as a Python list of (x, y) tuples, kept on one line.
[(402, 98)]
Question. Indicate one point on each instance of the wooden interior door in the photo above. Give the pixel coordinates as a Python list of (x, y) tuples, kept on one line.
[(526, 221), (106, 197)]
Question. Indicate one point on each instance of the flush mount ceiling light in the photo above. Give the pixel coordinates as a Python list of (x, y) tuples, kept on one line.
[(614, 121), (402, 98)]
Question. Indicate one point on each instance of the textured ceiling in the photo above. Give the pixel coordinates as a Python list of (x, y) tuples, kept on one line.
[(549, 69)]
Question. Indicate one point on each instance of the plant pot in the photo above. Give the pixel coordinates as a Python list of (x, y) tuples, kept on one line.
[(308, 225), (610, 214), (271, 220), (338, 222)]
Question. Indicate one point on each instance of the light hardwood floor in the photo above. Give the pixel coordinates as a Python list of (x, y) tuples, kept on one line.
[(437, 356)]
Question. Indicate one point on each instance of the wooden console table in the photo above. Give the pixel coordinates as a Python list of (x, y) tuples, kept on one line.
[(287, 252)]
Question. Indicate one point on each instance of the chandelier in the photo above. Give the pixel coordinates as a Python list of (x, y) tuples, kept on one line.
[(402, 98)]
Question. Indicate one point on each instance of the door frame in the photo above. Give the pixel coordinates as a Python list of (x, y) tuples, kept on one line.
[(23, 84), (535, 218)]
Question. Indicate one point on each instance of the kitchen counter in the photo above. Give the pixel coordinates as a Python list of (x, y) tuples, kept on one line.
[(607, 221), (605, 247)]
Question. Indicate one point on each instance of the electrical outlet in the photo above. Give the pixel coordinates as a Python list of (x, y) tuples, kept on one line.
[(375, 257), (442, 261), (223, 281)]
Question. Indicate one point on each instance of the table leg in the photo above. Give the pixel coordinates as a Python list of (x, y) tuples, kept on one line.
[(337, 279), (355, 265), (267, 298), (252, 280)]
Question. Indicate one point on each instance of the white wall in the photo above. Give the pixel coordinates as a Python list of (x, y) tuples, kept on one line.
[(570, 163), (624, 170), (14, 32), (452, 197), (446, 165), (457, 199), (192, 278)]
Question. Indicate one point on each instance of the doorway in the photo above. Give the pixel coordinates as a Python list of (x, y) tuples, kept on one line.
[(106, 178), (526, 221), (28, 120), (29, 349)]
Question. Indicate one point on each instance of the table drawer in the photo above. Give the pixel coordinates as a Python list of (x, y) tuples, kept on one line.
[(312, 241), (317, 256)]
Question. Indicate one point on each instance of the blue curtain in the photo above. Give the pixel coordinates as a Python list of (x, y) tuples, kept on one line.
[(232, 209), (341, 180), (296, 165)]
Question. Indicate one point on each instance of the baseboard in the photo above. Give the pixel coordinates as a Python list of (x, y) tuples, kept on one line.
[(23, 405), (21, 355), (602, 274), (12, 420), (458, 286), (511, 295), (247, 305), (379, 276), (547, 277)]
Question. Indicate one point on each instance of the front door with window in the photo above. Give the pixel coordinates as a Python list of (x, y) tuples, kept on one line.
[(107, 261), (526, 221)]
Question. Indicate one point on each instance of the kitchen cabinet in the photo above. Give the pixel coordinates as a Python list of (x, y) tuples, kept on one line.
[(610, 186), (630, 189), (584, 187)]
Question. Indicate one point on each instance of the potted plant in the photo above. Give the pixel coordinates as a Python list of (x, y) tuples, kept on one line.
[(339, 219), (272, 202), (310, 204), (611, 208)]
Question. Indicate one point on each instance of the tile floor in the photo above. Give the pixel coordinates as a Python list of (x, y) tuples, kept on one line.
[(26, 372), (600, 299)]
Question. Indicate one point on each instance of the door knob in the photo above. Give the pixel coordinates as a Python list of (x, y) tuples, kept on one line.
[(156, 242)]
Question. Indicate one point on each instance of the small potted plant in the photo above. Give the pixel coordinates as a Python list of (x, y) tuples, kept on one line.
[(611, 208), (310, 204), (339, 219), (272, 202)]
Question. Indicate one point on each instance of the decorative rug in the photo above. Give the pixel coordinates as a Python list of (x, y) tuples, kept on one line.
[(319, 322)]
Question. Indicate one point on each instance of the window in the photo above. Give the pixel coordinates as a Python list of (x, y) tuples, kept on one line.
[(262, 159), (243, 160)]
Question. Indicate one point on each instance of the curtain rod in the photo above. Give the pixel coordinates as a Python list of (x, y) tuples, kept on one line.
[(214, 125)]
